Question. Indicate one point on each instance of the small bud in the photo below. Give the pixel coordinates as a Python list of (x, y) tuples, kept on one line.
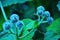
[(40, 10), (14, 18), (19, 24), (50, 20), (46, 14), (7, 25)]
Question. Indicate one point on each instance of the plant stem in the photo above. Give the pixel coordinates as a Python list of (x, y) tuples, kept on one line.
[(44, 21), (41, 20), (11, 32), (17, 38), (28, 33), (40, 32), (38, 18), (3, 12)]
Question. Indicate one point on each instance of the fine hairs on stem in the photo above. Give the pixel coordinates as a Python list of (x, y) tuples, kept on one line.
[(3, 12)]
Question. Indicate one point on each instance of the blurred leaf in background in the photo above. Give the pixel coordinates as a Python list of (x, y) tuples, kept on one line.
[(10, 2), (55, 26)]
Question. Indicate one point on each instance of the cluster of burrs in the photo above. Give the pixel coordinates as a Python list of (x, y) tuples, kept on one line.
[(42, 14), (14, 20)]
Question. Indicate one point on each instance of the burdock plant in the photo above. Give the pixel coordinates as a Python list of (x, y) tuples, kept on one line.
[(15, 29)]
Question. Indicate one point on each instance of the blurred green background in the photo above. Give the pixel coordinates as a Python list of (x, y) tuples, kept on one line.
[(29, 12)]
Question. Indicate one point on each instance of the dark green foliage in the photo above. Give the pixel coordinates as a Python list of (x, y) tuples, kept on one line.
[(28, 12), (55, 26)]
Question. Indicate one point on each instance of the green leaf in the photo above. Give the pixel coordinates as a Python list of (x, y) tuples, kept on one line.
[(55, 26), (10, 2), (29, 37), (29, 26), (50, 35), (55, 37), (27, 21), (8, 37)]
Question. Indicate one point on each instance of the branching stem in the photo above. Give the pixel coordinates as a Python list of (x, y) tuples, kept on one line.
[(3, 12)]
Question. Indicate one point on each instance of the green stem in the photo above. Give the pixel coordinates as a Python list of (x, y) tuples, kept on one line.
[(40, 32), (11, 32), (41, 20), (38, 18), (3, 12), (20, 30), (44, 21), (17, 38), (27, 33)]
